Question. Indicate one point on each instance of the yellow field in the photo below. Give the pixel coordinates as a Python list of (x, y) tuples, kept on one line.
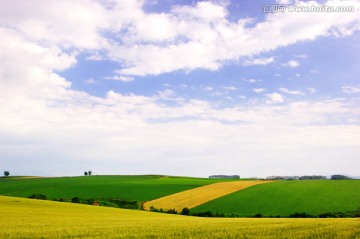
[(26, 218), (197, 196)]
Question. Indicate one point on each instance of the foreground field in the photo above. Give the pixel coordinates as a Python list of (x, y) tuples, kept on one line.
[(195, 197), (26, 218), (287, 197), (137, 188)]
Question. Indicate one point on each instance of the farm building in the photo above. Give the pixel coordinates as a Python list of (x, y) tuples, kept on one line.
[(224, 176)]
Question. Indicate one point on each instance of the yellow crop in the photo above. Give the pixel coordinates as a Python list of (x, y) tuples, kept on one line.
[(26, 218), (197, 196)]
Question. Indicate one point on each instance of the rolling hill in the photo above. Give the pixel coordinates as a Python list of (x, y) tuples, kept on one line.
[(287, 197), (28, 218), (280, 198), (137, 188)]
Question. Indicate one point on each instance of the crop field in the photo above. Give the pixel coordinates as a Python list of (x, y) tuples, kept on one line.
[(138, 188), (287, 197), (197, 196), (28, 218)]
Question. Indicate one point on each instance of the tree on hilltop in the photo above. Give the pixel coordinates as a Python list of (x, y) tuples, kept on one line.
[(6, 173), (89, 173), (86, 173)]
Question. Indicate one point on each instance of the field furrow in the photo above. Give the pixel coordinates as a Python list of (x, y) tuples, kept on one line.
[(195, 197)]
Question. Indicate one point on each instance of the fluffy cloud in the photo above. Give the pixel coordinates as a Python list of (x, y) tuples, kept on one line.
[(259, 61), (120, 78), (291, 92), (65, 23), (274, 98), (259, 90), (292, 64), (137, 134), (156, 43), (217, 40)]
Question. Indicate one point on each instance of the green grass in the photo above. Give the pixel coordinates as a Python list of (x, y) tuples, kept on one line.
[(137, 188), (287, 197), (28, 218)]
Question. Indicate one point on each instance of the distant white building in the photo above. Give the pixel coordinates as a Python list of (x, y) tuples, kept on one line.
[(283, 178), (225, 176)]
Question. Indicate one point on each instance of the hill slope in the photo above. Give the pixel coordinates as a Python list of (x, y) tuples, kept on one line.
[(287, 197), (137, 188), (197, 196), (25, 218)]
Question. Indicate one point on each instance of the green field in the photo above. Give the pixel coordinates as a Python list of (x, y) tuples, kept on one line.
[(287, 197), (29, 218), (137, 188), (280, 198)]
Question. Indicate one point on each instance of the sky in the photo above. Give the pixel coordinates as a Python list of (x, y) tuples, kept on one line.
[(188, 88)]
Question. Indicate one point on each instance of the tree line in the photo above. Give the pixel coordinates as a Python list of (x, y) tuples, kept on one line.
[(308, 177)]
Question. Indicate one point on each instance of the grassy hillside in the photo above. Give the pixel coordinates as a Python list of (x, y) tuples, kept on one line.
[(27, 218), (287, 197), (137, 188)]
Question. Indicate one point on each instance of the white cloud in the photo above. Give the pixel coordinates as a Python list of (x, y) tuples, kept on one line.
[(292, 64), (217, 40), (259, 61), (165, 94), (90, 81), (133, 134), (232, 88), (202, 31), (251, 80), (204, 11), (65, 23), (95, 57), (119, 78), (291, 92), (208, 88), (259, 90), (153, 27), (351, 89), (285, 2), (275, 98)]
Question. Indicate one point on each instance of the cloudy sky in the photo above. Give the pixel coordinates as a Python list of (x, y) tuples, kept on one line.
[(185, 87)]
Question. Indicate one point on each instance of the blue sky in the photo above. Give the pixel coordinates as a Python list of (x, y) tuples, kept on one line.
[(179, 87)]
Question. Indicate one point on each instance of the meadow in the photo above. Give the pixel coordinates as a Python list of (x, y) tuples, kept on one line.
[(137, 188), (197, 196), (287, 197), (29, 218)]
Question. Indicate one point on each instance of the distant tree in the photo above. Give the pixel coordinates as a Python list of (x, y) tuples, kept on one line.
[(6, 173), (89, 173), (75, 200), (38, 196), (185, 211), (339, 176), (86, 173)]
